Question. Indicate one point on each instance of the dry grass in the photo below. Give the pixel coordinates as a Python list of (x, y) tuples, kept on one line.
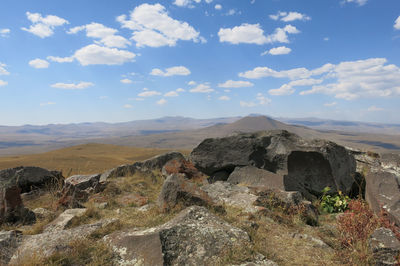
[(83, 159)]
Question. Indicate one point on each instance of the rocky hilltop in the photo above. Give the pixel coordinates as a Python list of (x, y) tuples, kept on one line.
[(245, 199)]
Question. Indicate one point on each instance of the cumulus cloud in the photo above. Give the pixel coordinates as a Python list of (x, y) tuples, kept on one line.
[(39, 63), (172, 71), (359, 2), (289, 88), (73, 86), (289, 16), (278, 51), (235, 84), (260, 100), (94, 54), (171, 94), (397, 24), (218, 7), (188, 3), (3, 83), (4, 32), (261, 72), (3, 70), (224, 98), (180, 90), (161, 102), (107, 36), (148, 93), (61, 59), (153, 27), (202, 88), (254, 34), (126, 81), (43, 26)]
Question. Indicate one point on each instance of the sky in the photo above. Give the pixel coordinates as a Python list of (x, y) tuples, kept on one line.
[(112, 61)]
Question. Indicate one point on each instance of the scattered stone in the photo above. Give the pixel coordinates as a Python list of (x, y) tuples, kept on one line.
[(29, 178), (232, 195), (193, 237), (177, 188), (64, 219), (385, 246), (42, 213), (146, 207), (12, 209), (253, 176), (305, 166), (315, 242), (9, 241)]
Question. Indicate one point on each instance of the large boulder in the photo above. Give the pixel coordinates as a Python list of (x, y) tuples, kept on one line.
[(307, 166), (12, 209), (193, 237), (385, 247), (9, 241), (64, 220), (253, 176), (29, 178)]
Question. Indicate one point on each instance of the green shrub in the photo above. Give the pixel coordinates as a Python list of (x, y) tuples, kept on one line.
[(333, 203)]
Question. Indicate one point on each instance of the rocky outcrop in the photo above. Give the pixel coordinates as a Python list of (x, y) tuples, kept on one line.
[(193, 237), (64, 219), (253, 176), (181, 166), (384, 246), (177, 188), (9, 241), (28, 178), (12, 209), (305, 166)]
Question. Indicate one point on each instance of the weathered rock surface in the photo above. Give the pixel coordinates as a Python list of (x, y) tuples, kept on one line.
[(177, 188), (181, 166), (305, 166), (9, 241), (29, 177), (232, 195), (43, 245), (385, 247), (12, 209), (315, 242), (64, 219), (42, 213), (382, 191), (193, 237), (253, 176)]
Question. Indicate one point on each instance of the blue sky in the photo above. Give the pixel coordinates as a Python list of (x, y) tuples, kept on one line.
[(84, 61)]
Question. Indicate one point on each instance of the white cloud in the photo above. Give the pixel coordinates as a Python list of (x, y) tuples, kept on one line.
[(235, 84), (105, 34), (280, 50), (202, 88), (61, 59), (254, 34), (224, 98), (330, 104), (172, 71), (191, 83), (126, 81), (359, 2), (43, 26), (161, 102), (72, 86), (148, 93), (289, 16), (247, 104), (208, 1), (94, 54), (288, 89), (373, 108), (171, 94), (47, 103), (4, 32), (188, 3), (326, 39), (261, 72), (39, 63), (260, 100), (180, 90), (218, 7), (3, 70), (127, 106), (231, 12), (285, 89), (397, 24), (3, 83), (152, 26)]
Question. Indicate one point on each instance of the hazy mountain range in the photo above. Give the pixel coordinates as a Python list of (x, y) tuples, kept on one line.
[(185, 133)]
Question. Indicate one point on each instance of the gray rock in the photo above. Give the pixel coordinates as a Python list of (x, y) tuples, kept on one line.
[(83, 182), (253, 176), (42, 213), (12, 209), (64, 219), (385, 246), (219, 176), (305, 166), (193, 237), (177, 188), (231, 195), (9, 241), (315, 242), (28, 177)]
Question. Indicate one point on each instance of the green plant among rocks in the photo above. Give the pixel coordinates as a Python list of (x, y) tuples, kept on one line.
[(333, 203)]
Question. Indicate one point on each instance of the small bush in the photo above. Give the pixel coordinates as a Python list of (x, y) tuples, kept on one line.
[(333, 203)]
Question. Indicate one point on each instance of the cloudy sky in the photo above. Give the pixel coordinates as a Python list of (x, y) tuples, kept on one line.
[(100, 60)]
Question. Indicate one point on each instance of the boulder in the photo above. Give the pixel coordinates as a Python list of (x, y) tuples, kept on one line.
[(219, 176), (181, 166), (384, 246), (382, 191), (177, 188), (64, 219), (42, 213), (12, 209), (253, 176), (391, 163), (307, 166), (193, 237), (9, 241), (29, 178)]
